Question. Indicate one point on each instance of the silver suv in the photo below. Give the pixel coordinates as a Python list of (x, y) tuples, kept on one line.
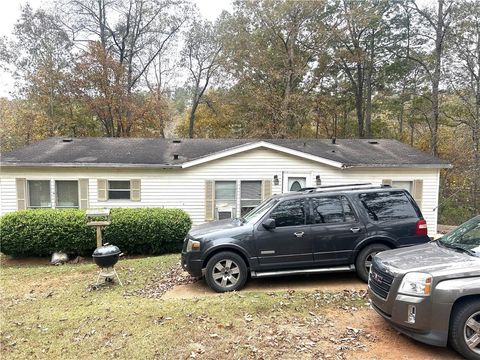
[(431, 292)]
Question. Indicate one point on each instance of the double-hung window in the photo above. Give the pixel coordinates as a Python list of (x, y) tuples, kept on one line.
[(225, 199), (39, 194), (407, 185), (119, 190), (251, 196), (66, 193)]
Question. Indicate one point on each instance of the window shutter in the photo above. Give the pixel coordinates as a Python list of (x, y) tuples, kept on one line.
[(266, 189), (102, 190), (387, 182), (135, 189), (209, 200), (21, 193), (83, 193), (417, 191)]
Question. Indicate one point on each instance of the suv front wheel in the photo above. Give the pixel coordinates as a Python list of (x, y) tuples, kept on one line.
[(365, 257), (465, 329), (226, 271)]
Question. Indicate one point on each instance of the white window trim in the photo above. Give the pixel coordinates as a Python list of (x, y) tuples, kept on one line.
[(55, 206), (237, 190), (52, 194), (286, 175), (239, 202), (119, 200), (410, 180)]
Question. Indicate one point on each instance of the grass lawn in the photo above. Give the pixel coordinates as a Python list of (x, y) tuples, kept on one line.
[(49, 312)]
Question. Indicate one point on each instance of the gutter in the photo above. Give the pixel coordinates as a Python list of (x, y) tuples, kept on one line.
[(89, 165), (180, 166), (400, 166)]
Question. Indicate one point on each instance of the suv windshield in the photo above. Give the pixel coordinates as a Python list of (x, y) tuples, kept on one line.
[(254, 215), (465, 238)]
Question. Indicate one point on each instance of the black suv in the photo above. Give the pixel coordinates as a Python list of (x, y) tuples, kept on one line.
[(315, 230)]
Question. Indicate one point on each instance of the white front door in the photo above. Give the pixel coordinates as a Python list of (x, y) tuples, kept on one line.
[(295, 182)]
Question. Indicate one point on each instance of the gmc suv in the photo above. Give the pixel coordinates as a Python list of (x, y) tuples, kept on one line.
[(314, 230), (431, 292)]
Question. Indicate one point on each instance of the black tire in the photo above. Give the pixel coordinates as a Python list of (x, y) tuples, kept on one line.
[(459, 331), (364, 258), (226, 271)]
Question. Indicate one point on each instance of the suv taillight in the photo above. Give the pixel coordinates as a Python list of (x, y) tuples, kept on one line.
[(421, 228)]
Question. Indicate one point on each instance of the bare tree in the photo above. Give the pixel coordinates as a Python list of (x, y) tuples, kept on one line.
[(200, 55), (439, 22), (135, 33), (463, 62)]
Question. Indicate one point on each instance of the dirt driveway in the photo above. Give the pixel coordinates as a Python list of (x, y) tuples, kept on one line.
[(388, 344)]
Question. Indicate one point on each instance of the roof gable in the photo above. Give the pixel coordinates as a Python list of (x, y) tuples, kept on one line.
[(256, 145)]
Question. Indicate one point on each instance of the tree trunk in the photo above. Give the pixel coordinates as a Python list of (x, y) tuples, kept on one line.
[(192, 118), (436, 76), (476, 133), (368, 106), (412, 127)]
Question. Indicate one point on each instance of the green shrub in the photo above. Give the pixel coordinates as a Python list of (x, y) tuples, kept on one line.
[(147, 231), (40, 232)]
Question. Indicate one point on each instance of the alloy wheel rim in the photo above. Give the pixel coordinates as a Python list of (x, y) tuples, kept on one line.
[(471, 332), (369, 259), (226, 273)]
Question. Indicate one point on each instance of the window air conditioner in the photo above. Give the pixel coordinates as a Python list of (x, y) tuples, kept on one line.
[(225, 213)]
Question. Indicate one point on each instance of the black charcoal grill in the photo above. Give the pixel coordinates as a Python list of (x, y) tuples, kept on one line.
[(106, 256)]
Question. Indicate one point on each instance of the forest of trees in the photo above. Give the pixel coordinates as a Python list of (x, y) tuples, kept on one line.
[(402, 69)]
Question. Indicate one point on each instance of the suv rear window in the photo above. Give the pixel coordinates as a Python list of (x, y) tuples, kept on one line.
[(383, 206)]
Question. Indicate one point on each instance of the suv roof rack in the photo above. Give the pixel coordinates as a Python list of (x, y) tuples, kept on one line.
[(343, 187)]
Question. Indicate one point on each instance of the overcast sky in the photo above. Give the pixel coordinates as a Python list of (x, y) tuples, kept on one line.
[(10, 12)]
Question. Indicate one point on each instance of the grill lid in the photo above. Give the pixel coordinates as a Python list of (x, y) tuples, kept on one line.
[(106, 250)]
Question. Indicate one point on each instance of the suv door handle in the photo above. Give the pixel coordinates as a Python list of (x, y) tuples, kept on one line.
[(355, 229), (299, 234)]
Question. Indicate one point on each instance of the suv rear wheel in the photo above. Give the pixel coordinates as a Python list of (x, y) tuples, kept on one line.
[(365, 257), (226, 271), (465, 329)]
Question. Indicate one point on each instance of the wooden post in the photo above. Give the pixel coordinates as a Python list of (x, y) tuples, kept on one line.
[(99, 236), (99, 225)]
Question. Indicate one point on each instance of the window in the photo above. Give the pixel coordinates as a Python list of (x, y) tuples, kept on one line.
[(347, 210), (39, 194), (67, 193), (251, 196), (225, 198), (388, 206), (260, 210), (406, 185), (119, 190), (332, 210), (289, 213)]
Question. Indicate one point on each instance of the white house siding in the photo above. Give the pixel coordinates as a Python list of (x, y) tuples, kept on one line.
[(185, 188)]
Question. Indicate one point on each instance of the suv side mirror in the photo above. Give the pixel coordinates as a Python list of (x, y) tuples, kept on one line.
[(269, 224)]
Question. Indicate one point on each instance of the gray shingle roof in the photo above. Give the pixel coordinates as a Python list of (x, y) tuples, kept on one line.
[(160, 152)]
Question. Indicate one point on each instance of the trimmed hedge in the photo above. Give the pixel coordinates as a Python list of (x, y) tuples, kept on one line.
[(40, 232), (147, 230)]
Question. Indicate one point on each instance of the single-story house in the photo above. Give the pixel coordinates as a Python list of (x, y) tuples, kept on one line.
[(208, 178)]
